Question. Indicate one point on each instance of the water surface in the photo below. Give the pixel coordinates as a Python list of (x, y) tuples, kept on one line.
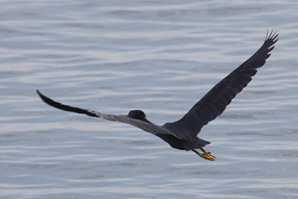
[(158, 56)]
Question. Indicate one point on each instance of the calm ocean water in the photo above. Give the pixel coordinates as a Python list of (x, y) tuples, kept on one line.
[(158, 56)]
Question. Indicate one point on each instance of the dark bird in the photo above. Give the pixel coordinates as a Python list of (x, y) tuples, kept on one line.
[(182, 134)]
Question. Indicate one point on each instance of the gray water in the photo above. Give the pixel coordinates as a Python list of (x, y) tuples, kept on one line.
[(158, 56)]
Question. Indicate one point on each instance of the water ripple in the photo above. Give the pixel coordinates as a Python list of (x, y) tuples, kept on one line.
[(158, 56)]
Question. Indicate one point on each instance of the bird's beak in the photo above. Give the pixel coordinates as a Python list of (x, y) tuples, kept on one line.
[(124, 115)]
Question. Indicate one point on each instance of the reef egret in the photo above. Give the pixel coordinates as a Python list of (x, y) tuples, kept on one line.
[(182, 134)]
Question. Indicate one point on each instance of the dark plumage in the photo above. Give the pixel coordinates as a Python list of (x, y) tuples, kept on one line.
[(182, 134)]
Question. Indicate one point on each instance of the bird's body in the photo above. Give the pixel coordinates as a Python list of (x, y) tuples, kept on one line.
[(182, 134)]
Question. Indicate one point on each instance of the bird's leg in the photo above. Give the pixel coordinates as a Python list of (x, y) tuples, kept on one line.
[(206, 155), (203, 150)]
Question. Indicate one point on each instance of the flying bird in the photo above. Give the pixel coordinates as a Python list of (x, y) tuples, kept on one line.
[(182, 134)]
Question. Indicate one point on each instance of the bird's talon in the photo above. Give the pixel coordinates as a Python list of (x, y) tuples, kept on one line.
[(212, 156), (208, 156)]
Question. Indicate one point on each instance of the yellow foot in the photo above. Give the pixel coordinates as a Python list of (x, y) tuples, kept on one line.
[(208, 156)]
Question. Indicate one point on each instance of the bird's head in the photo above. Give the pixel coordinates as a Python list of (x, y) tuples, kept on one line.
[(137, 114)]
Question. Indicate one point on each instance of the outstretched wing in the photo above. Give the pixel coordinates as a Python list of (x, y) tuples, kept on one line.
[(221, 95), (146, 126)]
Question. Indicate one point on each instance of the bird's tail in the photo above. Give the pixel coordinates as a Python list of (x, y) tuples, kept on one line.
[(198, 143)]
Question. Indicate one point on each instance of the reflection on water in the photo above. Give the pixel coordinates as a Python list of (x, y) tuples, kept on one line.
[(158, 56)]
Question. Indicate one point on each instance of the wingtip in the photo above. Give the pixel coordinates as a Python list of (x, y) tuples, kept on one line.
[(42, 97), (39, 93), (272, 36)]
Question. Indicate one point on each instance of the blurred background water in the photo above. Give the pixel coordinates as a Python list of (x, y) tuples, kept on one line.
[(158, 56)]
